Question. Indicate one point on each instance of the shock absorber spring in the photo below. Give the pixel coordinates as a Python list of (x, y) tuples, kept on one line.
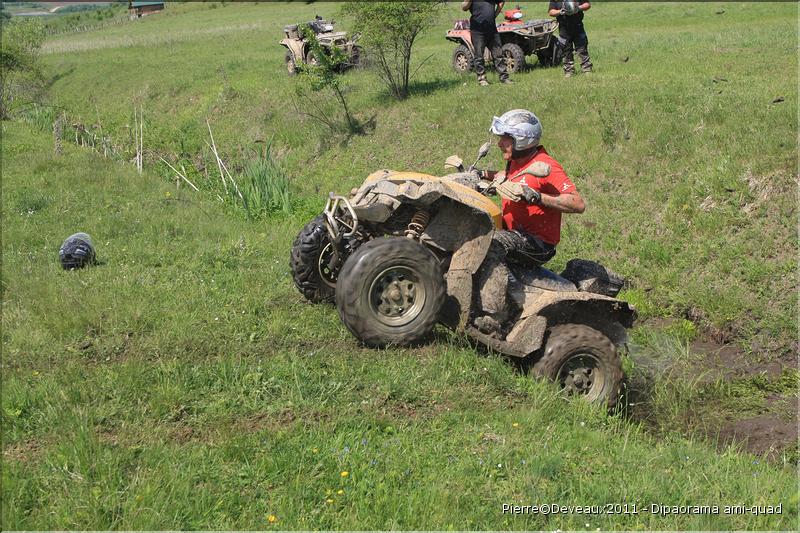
[(418, 224)]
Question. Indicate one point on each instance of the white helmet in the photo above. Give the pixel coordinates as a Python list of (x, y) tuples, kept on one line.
[(571, 8), (521, 125)]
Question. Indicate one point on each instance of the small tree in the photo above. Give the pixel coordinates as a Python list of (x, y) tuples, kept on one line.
[(20, 72), (389, 30), (321, 77)]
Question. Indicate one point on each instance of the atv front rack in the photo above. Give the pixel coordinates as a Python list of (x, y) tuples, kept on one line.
[(333, 220)]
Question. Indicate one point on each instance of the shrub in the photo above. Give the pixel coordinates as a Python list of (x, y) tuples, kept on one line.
[(389, 30), (324, 78)]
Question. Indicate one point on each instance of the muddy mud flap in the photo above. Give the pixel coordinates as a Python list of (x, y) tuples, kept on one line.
[(465, 263)]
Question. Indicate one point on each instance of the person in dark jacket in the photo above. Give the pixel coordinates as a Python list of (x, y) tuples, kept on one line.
[(483, 32), (570, 24)]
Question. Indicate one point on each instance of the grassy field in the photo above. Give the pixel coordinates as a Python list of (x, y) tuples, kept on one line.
[(183, 383)]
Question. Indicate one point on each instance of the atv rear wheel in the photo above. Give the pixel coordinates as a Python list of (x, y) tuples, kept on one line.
[(291, 67), (462, 59), (311, 59), (552, 55), (390, 291), (582, 361), (514, 56), (357, 58), (310, 262)]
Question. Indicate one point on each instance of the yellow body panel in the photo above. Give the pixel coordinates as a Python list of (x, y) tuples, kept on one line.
[(465, 194)]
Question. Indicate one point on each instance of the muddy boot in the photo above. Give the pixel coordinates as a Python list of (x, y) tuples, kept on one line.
[(482, 81), (507, 81)]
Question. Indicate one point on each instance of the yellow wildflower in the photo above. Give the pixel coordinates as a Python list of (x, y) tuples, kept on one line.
[(515, 425), (345, 473), (272, 519), (340, 492), (329, 500)]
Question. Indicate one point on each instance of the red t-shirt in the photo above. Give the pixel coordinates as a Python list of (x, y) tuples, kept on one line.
[(537, 220)]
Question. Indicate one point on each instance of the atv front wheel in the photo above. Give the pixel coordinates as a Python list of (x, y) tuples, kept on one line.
[(311, 59), (583, 362), (462, 59), (357, 58), (291, 67), (552, 55), (514, 56), (310, 262), (390, 291)]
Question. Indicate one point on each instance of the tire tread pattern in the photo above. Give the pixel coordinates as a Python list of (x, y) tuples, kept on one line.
[(304, 262), (354, 281), (568, 338)]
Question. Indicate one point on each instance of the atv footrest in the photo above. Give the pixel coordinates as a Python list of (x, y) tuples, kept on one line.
[(501, 346)]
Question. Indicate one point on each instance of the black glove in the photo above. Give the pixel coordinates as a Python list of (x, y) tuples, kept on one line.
[(531, 196)]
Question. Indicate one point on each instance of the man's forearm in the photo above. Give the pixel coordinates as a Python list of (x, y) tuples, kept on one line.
[(465, 5), (584, 6), (566, 203)]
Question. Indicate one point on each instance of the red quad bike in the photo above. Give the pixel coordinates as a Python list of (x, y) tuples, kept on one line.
[(519, 38)]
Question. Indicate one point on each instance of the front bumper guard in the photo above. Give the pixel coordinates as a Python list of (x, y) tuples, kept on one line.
[(335, 207)]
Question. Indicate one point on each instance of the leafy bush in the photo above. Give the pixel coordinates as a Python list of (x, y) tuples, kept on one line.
[(323, 78), (389, 30)]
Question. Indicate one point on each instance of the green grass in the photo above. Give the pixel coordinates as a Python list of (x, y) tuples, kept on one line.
[(183, 383), (687, 177)]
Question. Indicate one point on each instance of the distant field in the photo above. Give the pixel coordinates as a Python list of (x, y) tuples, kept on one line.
[(14, 8), (183, 383)]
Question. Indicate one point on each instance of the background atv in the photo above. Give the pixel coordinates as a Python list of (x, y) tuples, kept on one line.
[(298, 51), (519, 39), (401, 255)]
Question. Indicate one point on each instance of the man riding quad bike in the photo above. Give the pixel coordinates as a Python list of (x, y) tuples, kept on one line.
[(407, 250)]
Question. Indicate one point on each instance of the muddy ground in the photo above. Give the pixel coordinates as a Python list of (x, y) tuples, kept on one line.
[(722, 392)]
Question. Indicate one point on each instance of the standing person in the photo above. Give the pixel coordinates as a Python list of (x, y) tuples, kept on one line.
[(570, 24), (535, 192), (483, 32)]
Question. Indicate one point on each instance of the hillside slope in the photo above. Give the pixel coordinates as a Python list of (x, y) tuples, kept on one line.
[(183, 383)]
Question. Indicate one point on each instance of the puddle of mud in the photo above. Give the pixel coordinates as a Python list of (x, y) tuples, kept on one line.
[(769, 430)]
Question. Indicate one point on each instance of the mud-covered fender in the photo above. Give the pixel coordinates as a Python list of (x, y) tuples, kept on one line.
[(610, 316), (296, 48)]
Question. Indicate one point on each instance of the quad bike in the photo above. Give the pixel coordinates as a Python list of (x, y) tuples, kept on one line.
[(401, 254), (299, 52), (520, 39)]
